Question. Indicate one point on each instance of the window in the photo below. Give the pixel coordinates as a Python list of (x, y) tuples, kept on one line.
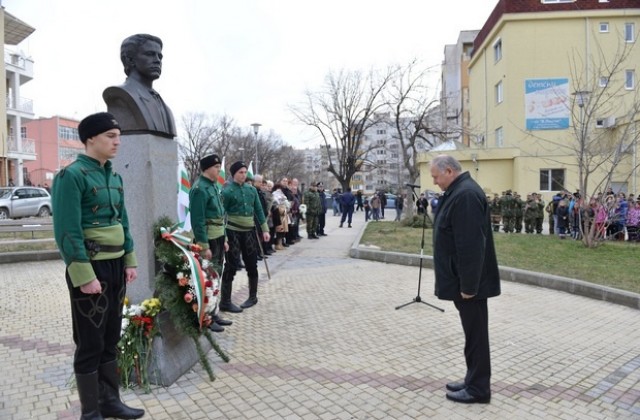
[(603, 81), (499, 137), (497, 51), (629, 32), (499, 93), (604, 27), (551, 179), (381, 131), (68, 133), (629, 79)]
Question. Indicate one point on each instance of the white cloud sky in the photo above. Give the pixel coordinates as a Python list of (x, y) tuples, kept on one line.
[(249, 59)]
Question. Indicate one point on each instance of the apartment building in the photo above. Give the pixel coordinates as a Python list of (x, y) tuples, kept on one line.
[(57, 143), (15, 147), (553, 89)]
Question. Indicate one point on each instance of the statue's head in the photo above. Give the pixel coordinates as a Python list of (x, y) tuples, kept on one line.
[(131, 46)]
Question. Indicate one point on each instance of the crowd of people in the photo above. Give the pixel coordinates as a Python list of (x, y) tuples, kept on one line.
[(606, 216)]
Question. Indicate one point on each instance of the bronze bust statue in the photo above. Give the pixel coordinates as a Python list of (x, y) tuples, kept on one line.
[(137, 107)]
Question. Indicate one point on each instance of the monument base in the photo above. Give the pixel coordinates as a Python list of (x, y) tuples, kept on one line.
[(148, 165), (173, 354)]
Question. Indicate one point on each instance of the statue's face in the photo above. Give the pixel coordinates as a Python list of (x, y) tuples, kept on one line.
[(148, 60)]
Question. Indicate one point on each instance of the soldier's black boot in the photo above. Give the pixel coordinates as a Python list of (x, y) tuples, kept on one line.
[(109, 402), (253, 293), (225, 304), (88, 393)]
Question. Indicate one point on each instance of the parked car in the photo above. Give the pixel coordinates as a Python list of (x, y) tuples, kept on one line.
[(16, 202)]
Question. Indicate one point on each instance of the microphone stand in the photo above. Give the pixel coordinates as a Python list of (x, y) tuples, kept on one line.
[(418, 299)]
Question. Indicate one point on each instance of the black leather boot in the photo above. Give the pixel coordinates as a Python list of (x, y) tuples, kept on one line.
[(109, 402), (253, 293), (220, 321), (88, 392), (225, 304)]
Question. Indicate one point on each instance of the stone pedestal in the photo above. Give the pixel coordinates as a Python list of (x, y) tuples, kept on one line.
[(148, 166)]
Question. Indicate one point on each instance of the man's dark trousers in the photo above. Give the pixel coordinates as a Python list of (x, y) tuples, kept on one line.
[(474, 317)]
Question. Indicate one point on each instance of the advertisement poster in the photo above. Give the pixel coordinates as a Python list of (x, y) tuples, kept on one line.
[(547, 104)]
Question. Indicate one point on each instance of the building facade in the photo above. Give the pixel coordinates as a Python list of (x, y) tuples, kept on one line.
[(553, 98), (15, 147), (57, 144)]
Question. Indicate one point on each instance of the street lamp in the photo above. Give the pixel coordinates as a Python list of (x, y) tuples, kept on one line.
[(241, 151), (256, 127)]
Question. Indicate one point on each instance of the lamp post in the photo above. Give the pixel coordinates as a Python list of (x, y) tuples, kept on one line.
[(256, 127)]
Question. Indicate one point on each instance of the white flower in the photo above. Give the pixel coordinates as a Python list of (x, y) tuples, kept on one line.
[(125, 324), (180, 275)]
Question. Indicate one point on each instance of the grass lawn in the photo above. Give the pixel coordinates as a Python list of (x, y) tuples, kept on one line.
[(613, 264)]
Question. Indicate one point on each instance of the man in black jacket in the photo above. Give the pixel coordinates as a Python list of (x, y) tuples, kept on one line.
[(466, 270)]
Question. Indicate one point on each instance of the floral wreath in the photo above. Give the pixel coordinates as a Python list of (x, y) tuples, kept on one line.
[(188, 286)]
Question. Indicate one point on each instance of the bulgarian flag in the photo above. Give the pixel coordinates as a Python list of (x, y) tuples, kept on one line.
[(250, 170), (184, 186), (222, 176)]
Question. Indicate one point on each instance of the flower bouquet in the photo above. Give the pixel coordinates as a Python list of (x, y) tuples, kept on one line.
[(189, 287), (138, 330)]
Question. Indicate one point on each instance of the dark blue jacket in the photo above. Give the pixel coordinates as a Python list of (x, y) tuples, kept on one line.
[(347, 200), (464, 255)]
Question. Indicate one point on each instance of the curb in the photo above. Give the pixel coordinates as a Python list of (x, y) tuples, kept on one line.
[(26, 256), (516, 275)]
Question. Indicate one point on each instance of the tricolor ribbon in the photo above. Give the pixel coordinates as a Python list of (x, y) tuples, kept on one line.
[(197, 275)]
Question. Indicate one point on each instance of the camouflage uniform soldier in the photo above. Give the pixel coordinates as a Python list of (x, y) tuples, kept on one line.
[(507, 206), (539, 212), (312, 200), (519, 212), (530, 212), (496, 214)]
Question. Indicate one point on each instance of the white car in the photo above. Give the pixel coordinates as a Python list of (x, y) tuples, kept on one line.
[(16, 202)]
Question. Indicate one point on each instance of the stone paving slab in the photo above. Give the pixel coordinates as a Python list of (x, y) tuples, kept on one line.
[(325, 342)]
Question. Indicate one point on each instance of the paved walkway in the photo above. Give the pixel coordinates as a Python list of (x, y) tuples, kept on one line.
[(325, 342)]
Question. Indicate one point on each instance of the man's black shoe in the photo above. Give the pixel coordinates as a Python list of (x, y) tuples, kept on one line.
[(249, 303), (464, 397), (215, 327), (456, 386), (220, 321), (323, 234), (230, 307), (349, 225)]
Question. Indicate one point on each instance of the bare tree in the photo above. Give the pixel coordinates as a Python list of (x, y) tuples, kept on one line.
[(341, 113), (411, 103), (203, 135)]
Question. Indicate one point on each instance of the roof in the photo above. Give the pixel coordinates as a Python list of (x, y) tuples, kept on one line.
[(15, 30)]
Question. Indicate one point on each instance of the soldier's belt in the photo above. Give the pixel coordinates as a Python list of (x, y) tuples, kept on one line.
[(93, 247), (213, 223), (230, 223)]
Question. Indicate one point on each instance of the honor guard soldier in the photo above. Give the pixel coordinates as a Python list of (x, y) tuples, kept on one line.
[(241, 203), (207, 220), (91, 229), (312, 201)]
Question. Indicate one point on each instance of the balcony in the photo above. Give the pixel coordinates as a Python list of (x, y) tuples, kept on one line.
[(19, 64), (20, 105), (25, 150)]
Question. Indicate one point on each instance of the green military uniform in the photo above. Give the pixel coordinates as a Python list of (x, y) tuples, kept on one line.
[(530, 211), (311, 199), (244, 210), (88, 209), (206, 212), (519, 212), (539, 213), (508, 209), (496, 214)]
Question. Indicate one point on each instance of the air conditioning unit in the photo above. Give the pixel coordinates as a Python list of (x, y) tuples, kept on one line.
[(609, 122)]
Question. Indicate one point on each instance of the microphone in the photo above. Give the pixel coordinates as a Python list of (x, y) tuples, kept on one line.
[(412, 185)]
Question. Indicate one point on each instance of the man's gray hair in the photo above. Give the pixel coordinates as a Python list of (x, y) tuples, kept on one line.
[(442, 162)]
